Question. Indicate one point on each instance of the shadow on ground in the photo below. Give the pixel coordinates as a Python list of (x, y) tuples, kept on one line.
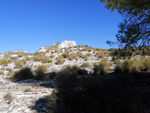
[(133, 98)]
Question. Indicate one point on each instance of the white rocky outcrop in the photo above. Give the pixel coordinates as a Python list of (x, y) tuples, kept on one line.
[(65, 44)]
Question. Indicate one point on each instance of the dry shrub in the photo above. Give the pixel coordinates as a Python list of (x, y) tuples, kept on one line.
[(9, 97), (88, 54), (42, 67), (43, 59), (5, 60), (18, 64), (73, 56), (59, 61), (85, 65)]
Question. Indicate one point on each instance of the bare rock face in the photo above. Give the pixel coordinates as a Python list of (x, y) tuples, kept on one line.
[(65, 44)]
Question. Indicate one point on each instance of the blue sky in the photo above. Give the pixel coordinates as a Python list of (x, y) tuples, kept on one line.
[(29, 24)]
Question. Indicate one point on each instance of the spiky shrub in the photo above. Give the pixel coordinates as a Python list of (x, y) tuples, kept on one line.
[(130, 66), (117, 61), (42, 67), (59, 61), (27, 58), (18, 64), (43, 59), (9, 97), (100, 54), (5, 60), (52, 56), (79, 54), (64, 55), (85, 65), (23, 74), (136, 65), (73, 56), (102, 67), (88, 54)]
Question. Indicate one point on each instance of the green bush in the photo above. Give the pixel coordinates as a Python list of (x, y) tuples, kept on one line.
[(23, 74)]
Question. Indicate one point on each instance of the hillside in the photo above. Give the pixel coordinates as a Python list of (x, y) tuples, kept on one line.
[(55, 58)]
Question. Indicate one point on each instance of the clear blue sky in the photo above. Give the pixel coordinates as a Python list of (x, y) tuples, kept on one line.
[(29, 24)]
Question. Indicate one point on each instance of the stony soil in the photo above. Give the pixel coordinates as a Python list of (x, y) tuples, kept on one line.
[(24, 94)]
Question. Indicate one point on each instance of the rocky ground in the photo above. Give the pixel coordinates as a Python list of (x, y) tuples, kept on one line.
[(21, 97)]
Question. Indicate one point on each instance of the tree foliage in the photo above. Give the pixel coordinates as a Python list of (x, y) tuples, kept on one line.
[(135, 29)]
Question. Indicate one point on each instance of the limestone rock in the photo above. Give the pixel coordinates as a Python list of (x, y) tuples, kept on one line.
[(65, 44)]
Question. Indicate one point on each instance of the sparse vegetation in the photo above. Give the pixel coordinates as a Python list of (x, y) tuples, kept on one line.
[(43, 59), (5, 60), (18, 64)]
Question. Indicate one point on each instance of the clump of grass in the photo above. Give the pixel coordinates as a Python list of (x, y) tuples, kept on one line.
[(100, 55), (52, 56), (5, 60), (59, 61), (85, 65), (27, 58), (73, 56), (117, 61), (23, 74), (9, 97), (88, 54), (102, 67), (131, 66), (79, 54), (18, 64), (43, 59), (42, 67)]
